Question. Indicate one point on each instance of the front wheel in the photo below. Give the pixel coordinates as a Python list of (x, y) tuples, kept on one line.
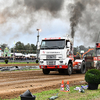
[(69, 70), (46, 71)]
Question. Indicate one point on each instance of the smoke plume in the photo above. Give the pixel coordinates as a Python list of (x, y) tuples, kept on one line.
[(76, 14), (23, 14), (26, 12), (84, 20), (28, 8), (52, 6)]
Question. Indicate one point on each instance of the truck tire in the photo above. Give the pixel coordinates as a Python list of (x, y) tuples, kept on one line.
[(69, 70), (46, 71), (83, 68)]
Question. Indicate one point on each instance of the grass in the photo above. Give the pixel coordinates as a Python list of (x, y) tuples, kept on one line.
[(72, 95), (18, 63)]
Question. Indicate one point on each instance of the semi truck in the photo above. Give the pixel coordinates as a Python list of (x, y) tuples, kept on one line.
[(56, 54)]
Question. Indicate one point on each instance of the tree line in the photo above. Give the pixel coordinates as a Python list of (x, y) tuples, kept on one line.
[(20, 47)]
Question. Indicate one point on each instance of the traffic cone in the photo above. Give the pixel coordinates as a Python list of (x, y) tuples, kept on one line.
[(62, 86), (67, 87)]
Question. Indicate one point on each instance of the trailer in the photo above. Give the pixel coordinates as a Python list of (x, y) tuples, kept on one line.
[(56, 54)]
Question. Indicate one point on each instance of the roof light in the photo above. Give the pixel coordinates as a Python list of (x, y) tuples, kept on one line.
[(52, 38)]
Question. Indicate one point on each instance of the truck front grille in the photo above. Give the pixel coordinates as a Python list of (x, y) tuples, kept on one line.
[(51, 57), (51, 62)]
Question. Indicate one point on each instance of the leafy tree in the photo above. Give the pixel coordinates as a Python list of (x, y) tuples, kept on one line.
[(25, 49), (19, 46), (34, 48), (3, 46)]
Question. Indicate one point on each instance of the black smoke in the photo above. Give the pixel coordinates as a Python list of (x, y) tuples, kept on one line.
[(84, 20), (52, 6), (25, 14), (26, 9)]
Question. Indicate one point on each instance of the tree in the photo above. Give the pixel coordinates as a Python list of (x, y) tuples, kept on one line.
[(3, 46), (19, 47), (25, 49), (30, 48), (34, 48)]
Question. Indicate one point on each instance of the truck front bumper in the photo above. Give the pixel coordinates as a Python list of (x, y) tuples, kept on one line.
[(53, 66)]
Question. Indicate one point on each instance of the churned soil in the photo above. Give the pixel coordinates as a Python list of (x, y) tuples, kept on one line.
[(15, 83), (4, 65)]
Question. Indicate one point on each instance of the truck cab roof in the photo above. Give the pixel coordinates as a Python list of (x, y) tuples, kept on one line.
[(57, 38)]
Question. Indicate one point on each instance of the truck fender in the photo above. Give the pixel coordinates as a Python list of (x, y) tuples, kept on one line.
[(68, 60), (80, 66), (76, 63)]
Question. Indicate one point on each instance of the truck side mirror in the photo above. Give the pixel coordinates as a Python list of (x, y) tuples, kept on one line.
[(68, 44)]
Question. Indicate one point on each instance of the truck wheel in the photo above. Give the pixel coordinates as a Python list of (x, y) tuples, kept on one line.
[(83, 68), (69, 70), (46, 71)]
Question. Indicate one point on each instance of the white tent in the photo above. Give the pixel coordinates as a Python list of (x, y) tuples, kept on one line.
[(18, 54)]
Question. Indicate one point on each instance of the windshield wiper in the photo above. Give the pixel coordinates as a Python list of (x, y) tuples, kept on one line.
[(54, 47), (44, 47)]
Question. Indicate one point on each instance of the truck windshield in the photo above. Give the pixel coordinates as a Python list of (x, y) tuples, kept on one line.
[(53, 44), (98, 52)]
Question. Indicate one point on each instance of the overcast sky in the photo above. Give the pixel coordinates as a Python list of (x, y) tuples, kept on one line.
[(20, 19)]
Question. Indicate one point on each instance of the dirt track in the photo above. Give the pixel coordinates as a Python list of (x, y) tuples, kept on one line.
[(15, 83), (2, 65)]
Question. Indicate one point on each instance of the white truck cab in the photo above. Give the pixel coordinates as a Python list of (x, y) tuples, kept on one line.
[(57, 54)]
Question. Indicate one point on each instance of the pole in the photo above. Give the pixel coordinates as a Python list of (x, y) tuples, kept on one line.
[(13, 54), (37, 45)]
